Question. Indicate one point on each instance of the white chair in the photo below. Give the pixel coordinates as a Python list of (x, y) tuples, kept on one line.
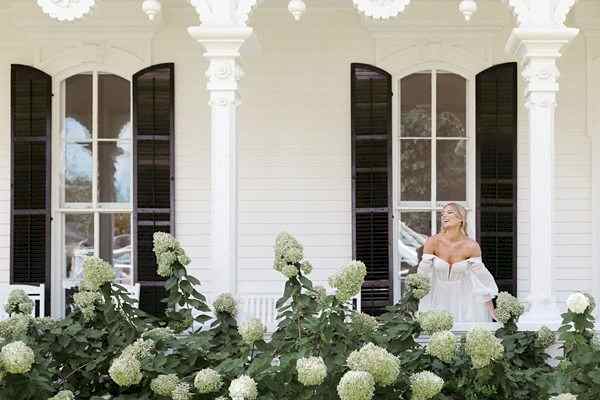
[(36, 293)]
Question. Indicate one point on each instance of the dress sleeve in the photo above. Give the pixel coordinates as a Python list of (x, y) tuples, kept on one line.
[(484, 285), (426, 265)]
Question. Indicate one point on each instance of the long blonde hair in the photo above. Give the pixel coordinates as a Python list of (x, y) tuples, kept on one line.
[(462, 213)]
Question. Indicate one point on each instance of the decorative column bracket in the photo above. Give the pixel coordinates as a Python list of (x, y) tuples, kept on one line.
[(538, 51), (222, 46)]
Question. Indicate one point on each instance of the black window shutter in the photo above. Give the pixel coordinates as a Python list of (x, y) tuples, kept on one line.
[(154, 191), (31, 130), (496, 140), (372, 182)]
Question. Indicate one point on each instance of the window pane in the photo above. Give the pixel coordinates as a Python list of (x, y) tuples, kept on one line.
[(415, 105), (451, 170), (115, 244), (451, 105), (415, 170), (114, 109), (78, 108), (78, 172), (79, 243), (415, 228), (114, 172)]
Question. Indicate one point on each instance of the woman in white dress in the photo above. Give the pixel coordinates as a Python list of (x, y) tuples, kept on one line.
[(460, 283)]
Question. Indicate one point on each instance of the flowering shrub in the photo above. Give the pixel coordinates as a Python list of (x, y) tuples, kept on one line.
[(106, 348)]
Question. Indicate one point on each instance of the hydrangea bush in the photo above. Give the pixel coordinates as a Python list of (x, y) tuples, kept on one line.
[(321, 348)]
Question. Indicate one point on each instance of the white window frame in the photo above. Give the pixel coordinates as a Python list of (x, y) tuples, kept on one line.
[(433, 206), (61, 209)]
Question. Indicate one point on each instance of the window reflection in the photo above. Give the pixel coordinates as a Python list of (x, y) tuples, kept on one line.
[(115, 244), (79, 243), (114, 172)]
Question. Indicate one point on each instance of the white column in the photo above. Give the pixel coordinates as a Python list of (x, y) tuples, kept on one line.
[(222, 46), (538, 52)]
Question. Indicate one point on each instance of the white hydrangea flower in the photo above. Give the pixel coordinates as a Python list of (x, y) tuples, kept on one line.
[(577, 303), (442, 345), (306, 267), (349, 280), (363, 324), (289, 271), (419, 285), (63, 395), (252, 331), (140, 349), (483, 347), (163, 385), (356, 385), (425, 385), (225, 303), (158, 334), (207, 381), (312, 371), (15, 327), (383, 366), (435, 321), (18, 303), (17, 358), (243, 388), (182, 391), (508, 307), (168, 251), (126, 371), (86, 301), (96, 272), (287, 251), (545, 337), (564, 396)]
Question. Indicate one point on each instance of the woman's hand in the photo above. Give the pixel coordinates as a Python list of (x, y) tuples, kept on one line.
[(491, 310)]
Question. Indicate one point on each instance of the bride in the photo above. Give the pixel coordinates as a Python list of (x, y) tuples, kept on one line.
[(460, 283)]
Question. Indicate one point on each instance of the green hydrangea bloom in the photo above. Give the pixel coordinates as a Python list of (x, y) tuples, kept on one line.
[(564, 396), (383, 366), (168, 251), (348, 281), (483, 347), (207, 381), (140, 349), (508, 308), (425, 385), (545, 337), (289, 271), (442, 345), (363, 324), (243, 388), (163, 385), (18, 303), (312, 371), (356, 385), (158, 334), (435, 321), (86, 301), (252, 331), (96, 272), (225, 303), (126, 371), (287, 251), (182, 391), (419, 285), (45, 323), (16, 327), (17, 358), (306, 267)]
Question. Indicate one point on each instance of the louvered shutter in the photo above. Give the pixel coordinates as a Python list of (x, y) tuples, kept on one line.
[(153, 127), (372, 182), (31, 129), (497, 172)]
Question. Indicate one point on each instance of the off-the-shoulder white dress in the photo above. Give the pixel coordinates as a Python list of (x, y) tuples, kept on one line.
[(462, 288)]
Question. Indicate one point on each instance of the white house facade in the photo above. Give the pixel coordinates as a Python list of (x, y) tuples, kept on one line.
[(226, 122)]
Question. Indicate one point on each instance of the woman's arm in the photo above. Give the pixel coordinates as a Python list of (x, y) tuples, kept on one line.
[(474, 252)]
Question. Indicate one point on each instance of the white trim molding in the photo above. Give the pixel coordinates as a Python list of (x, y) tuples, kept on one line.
[(66, 10), (381, 9)]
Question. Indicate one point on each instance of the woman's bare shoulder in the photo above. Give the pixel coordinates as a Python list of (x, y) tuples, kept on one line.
[(472, 247), (430, 245)]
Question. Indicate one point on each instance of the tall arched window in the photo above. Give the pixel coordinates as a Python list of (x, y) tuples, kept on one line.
[(96, 180), (434, 151)]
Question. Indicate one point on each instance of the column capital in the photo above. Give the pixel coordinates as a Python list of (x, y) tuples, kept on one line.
[(538, 50)]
